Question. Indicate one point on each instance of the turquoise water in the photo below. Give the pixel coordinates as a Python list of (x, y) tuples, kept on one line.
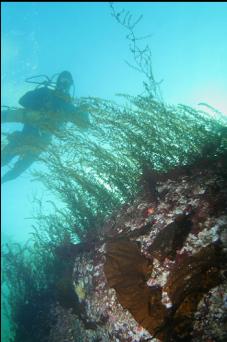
[(188, 54)]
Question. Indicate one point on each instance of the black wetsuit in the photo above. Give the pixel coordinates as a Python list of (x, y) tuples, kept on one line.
[(46, 99), (31, 141)]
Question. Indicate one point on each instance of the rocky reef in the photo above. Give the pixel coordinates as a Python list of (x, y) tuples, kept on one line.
[(157, 270)]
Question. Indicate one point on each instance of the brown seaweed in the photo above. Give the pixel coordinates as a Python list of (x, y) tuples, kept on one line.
[(127, 271), (190, 279)]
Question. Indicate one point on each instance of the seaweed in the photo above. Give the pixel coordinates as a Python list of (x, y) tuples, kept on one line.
[(187, 283), (130, 145), (35, 280), (95, 174), (127, 272), (27, 295)]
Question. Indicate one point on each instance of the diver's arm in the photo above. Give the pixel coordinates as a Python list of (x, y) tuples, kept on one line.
[(33, 103), (12, 115), (20, 115)]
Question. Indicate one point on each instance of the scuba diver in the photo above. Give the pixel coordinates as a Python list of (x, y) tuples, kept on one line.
[(41, 106)]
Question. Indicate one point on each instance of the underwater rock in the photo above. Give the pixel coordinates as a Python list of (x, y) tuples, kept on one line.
[(158, 272), (187, 283), (171, 238)]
